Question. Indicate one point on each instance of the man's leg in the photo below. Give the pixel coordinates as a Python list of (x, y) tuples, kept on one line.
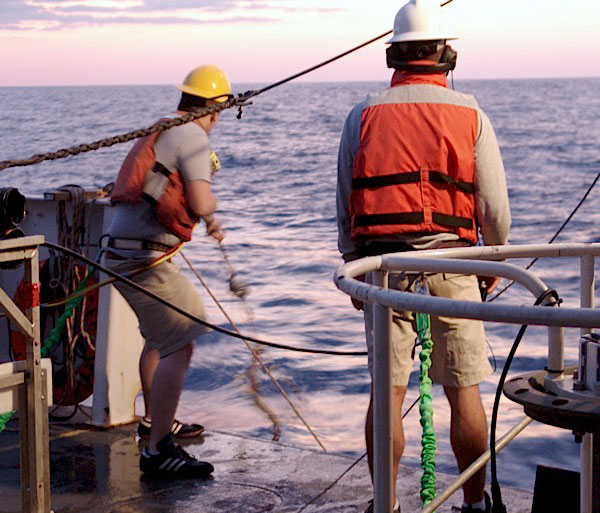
[(468, 435), (165, 390), (148, 362), (398, 394)]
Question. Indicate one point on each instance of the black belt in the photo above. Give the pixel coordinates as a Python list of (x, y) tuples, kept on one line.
[(137, 244)]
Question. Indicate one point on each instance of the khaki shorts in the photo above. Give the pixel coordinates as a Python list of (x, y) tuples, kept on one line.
[(164, 329), (459, 357)]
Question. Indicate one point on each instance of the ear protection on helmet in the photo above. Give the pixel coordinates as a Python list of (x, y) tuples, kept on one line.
[(397, 57), (448, 57)]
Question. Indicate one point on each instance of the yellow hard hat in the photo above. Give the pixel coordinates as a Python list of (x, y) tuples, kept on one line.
[(207, 82)]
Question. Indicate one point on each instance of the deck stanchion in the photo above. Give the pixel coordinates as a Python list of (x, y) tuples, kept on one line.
[(32, 393), (383, 478), (587, 451), (468, 261)]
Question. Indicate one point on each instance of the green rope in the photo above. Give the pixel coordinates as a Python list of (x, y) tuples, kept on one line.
[(53, 338), (426, 408), (4, 418)]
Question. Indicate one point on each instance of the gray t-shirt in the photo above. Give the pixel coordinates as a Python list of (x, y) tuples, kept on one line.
[(183, 148)]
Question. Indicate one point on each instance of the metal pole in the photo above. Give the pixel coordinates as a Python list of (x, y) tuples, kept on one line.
[(383, 478), (587, 444), (595, 473), (556, 351), (475, 466), (37, 494)]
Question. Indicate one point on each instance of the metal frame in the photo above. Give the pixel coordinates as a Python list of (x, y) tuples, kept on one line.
[(474, 260), (31, 384)]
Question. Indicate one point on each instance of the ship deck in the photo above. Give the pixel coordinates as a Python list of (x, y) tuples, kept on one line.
[(97, 471)]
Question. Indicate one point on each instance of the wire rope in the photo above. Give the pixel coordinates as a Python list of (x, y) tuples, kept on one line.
[(498, 506), (254, 353), (562, 227), (214, 327), (356, 462), (240, 101)]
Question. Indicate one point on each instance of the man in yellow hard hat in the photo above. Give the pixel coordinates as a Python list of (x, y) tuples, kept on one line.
[(419, 167), (162, 191)]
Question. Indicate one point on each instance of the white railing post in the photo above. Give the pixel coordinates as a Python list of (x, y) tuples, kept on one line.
[(586, 449), (383, 480)]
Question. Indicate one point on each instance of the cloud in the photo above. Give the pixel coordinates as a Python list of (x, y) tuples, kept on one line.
[(58, 14)]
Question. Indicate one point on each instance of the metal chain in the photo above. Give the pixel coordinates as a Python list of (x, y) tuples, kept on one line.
[(123, 138)]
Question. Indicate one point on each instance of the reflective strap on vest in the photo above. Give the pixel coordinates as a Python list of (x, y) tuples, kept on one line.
[(439, 177), (373, 182), (412, 218), (155, 183)]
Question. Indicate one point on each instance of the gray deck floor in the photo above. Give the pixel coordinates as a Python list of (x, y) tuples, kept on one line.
[(97, 471)]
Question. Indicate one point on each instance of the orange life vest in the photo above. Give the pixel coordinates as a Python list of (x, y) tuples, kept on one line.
[(143, 178), (414, 169)]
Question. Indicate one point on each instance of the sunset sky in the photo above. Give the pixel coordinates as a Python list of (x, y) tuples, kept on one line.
[(72, 42)]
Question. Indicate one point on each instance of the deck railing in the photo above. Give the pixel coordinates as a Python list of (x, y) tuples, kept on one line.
[(479, 261), (26, 386)]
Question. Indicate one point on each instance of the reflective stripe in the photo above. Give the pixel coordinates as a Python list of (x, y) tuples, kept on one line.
[(385, 180), (370, 182), (165, 464), (385, 219), (155, 183), (412, 218), (439, 177)]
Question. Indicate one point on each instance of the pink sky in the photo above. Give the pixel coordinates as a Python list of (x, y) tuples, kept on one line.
[(72, 42)]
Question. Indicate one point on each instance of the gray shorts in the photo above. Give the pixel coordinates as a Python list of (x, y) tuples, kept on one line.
[(164, 329), (459, 357)]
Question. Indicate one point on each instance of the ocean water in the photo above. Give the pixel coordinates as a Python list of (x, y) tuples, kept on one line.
[(277, 203)]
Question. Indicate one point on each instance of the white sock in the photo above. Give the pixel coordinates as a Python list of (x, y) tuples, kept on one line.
[(477, 506)]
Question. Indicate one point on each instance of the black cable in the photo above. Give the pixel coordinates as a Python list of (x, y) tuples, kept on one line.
[(497, 504), (317, 66), (555, 235), (214, 327), (316, 497), (324, 63)]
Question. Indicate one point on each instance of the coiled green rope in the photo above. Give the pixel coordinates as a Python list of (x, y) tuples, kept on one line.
[(52, 339), (426, 408)]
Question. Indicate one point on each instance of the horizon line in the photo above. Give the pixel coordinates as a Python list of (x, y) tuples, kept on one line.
[(585, 77)]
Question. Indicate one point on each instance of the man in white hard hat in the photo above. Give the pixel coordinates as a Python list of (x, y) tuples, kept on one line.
[(419, 167), (162, 191)]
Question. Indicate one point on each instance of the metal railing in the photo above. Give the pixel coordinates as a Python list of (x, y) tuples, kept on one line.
[(480, 261), (26, 382)]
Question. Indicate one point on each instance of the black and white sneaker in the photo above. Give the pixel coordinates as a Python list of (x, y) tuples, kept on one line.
[(370, 507), (173, 461), (469, 509), (179, 429)]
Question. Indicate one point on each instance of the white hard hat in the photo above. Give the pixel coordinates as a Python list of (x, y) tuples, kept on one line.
[(420, 20)]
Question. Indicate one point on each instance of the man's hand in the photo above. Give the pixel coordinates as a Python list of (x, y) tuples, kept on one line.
[(213, 228), (487, 284)]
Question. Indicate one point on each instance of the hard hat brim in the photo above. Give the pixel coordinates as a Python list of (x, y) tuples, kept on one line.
[(419, 36), (194, 91)]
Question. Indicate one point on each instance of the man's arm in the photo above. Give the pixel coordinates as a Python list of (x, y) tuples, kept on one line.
[(194, 164), (349, 143), (203, 203), (200, 199), (491, 194)]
